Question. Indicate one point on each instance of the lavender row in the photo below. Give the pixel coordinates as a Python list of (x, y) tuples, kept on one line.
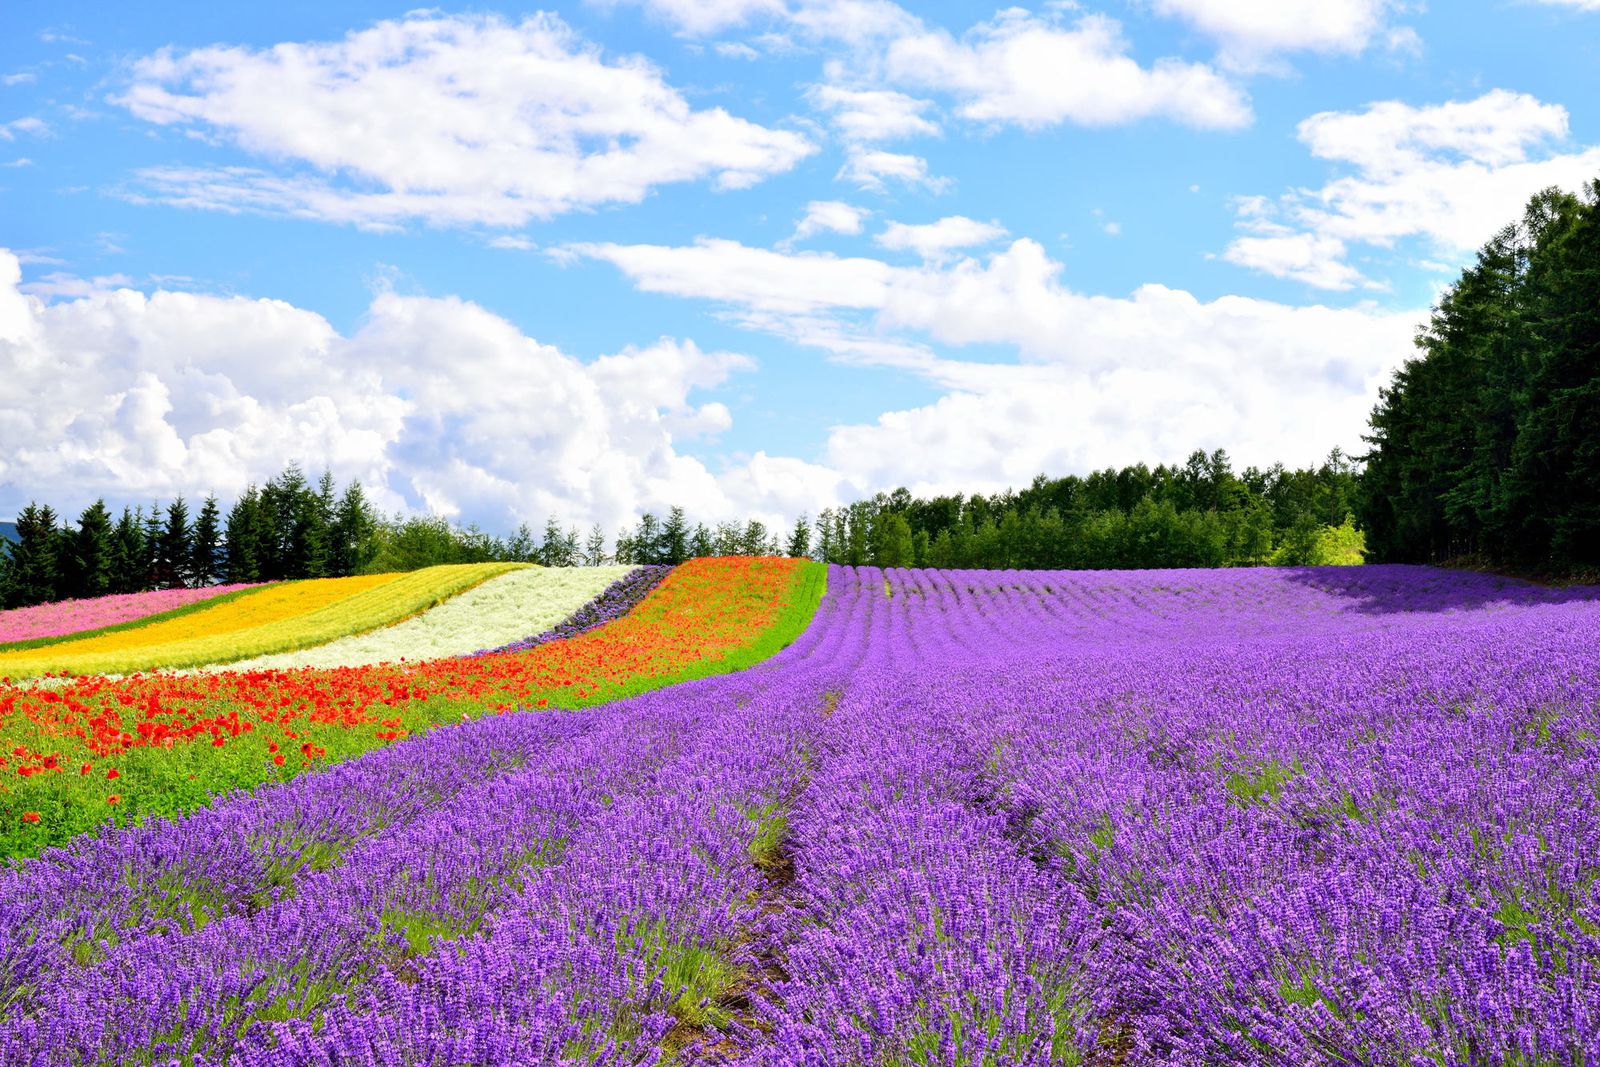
[(619, 598), (968, 817)]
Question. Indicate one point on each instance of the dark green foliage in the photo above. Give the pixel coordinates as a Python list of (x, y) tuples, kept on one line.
[(90, 556), (174, 548), (128, 573), (205, 550), (1487, 444), (674, 537), (800, 538), (352, 533), (32, 566), (891, 540), (247, 539)]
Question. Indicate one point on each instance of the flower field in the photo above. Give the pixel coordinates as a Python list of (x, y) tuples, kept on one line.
[(504, 609), (35, 626), (92, 749), (1237, 817), (271, 619)]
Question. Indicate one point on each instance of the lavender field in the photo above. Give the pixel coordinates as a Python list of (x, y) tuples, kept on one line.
[(1320, 816)]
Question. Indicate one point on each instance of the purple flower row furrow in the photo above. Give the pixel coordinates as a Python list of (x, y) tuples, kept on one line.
[(617, 600), (1253, 817)]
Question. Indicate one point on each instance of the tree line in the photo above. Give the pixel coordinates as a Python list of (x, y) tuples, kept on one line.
[(1199, 514), (1486, 445)]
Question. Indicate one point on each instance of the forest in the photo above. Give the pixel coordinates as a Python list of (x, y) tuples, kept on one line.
[(1485, 447)]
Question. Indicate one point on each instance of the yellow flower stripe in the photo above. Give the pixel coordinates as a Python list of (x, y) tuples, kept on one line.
[(275, 619)]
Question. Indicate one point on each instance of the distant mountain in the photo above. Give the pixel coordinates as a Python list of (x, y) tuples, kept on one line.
[(8, 531)]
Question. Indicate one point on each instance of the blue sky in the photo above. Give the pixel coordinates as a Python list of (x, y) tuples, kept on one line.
[(753, 256)]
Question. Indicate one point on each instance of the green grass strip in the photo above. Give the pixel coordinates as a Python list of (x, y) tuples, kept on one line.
[(134, 624)]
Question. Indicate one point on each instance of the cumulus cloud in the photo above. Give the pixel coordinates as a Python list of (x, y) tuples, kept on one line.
[(874, 169), (936, 240), (1035, 72), (434, 403), (1096, 380), (1250, 31), (828, 216), (1449, 174), (448, 119), (869, 115)]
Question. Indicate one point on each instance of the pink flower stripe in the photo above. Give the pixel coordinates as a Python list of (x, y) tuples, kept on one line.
[(73, 616)]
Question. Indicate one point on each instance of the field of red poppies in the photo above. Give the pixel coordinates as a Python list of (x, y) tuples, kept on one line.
[(82, 752)]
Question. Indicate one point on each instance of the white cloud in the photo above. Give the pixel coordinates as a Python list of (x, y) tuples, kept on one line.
[(1450, 174), (870, 115), (1097, 380), (699, 18), (29, 125), (1581, 5), (729, 272), (1312, 258), (828, 216), (63, 284), (19, 78), (452, 120), (517, 244), (936, 240), (1251, 30), (432, 402), (873, 169), (1035, 72)]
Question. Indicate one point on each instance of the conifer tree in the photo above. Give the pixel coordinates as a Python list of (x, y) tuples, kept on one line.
[(91, 553), (206, 562), (175, 548), (128, 554)]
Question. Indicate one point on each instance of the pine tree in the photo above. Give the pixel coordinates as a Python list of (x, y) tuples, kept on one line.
[(91, 552), (175, 548), (800, 538), (33, 572), (206, 562), (700, 544), (594, 549), (152, 548), (352, 535), (675, 537), (244, 538), (128, 554), (646, 541)]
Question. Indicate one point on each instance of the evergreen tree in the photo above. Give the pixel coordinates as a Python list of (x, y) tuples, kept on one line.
[(800, 538), (92, 551), (33, 563), (127, 554), (646, 544), (675, 537), (206, 562), (594, 549), (825, 543), (352, 534), (554, 551), (246, 538), (701, 543), (754, 540), (152, 547), (174, 548)]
